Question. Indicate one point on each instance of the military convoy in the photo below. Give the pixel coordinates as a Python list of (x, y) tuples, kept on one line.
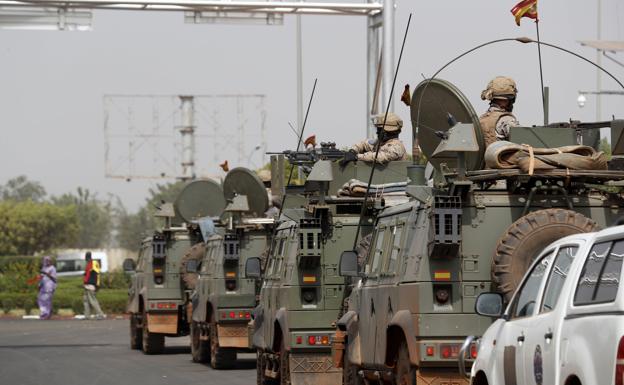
[(317, 311)]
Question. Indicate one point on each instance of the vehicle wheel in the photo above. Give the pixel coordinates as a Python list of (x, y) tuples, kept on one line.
[(284, 367), (405, 373), (526, 237), (220, 358), (136, 333), (200, 349), (153, 343)]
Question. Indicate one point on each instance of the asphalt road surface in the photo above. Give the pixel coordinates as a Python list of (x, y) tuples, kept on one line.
[(58, 352)]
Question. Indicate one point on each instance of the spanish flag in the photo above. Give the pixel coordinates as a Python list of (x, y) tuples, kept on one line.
[(525, 8)]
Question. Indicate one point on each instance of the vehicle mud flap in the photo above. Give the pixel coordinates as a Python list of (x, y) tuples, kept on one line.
[(233, 336), (338, 347), (313, 369), (440, 377), (162, 323)]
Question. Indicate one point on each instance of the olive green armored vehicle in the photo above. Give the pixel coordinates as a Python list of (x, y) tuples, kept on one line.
[(466, 229), (224, 298), (302, 292), (160, 286)]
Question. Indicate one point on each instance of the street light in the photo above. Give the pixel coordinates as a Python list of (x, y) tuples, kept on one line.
[(253, 151), (581, 100)]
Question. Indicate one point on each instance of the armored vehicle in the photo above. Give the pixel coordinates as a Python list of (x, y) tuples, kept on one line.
[(157, 295), (464, 231), (224, 298), (302, 293)]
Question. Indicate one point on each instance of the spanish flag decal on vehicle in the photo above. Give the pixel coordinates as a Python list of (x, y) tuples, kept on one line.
[(309, 278), (442, 275)]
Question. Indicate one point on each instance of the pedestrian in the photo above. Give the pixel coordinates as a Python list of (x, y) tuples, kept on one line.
[(91, 282), (391, 147), (47, 286)]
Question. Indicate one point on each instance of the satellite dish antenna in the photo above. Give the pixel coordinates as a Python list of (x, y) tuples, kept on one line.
[(199, 199), (242, 181), (437, 105)]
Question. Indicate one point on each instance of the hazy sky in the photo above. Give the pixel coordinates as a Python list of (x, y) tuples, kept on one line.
[(52, 83)]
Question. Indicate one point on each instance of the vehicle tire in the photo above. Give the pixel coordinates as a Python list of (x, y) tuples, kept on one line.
[(200, 349), (526, 237), (405, 373), (153, 343), (136, 333), (220, 358), (284, 366)]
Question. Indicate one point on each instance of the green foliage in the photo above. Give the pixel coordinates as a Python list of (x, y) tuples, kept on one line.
[(20, 189), (132, 228), (605, 147), (95, 217), (28, 227)]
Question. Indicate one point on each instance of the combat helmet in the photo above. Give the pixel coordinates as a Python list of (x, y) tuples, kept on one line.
[(501, 87), (393, 122), (264, 175)]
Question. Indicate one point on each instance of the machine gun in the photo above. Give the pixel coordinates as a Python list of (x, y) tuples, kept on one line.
[(327, 151)]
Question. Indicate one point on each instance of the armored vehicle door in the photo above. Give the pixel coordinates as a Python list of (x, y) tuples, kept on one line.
[(387, 291)]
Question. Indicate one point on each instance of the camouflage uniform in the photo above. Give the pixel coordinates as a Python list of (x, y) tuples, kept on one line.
[(497, 121), (391, 149)]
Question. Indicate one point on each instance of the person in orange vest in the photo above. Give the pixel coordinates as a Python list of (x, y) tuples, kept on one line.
[(91, 282)]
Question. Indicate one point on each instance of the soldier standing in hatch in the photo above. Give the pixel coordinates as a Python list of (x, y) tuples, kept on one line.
[(391, 146), (496, 122)]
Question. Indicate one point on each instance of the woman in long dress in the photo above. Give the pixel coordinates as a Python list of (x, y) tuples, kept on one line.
[(47, 285)]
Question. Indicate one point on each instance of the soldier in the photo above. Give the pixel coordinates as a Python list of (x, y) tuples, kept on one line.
[(496, 122), (391, 146)]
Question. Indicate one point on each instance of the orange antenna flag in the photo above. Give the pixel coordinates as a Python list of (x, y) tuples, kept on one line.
[(224, 166), (310, 140), (525, 8), (405, 96)]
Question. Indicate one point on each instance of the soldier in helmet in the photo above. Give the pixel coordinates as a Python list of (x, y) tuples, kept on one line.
[(496, 122), (388, 135)]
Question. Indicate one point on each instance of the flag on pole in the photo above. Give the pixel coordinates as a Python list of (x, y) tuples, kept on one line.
[(525, 8)]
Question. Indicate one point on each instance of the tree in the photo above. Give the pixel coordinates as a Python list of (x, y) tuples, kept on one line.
[(21, 189), (29, 227), (605, 147), (132, 228), (95, 217)]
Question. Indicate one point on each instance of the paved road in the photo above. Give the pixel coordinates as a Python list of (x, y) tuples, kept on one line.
[(97, 352)]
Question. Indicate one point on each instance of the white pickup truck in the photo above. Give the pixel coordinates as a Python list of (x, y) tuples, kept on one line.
[(565, 322)]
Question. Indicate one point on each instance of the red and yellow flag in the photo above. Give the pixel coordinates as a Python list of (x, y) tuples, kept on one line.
[(525, 8)]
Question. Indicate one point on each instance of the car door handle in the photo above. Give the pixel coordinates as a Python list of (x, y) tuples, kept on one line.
[(548, 336), (520, 338)]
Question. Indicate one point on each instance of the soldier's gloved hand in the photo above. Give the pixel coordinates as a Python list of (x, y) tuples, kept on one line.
[(349, 156)]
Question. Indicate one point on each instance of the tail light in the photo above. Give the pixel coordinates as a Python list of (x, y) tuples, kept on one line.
[(619, 364), (235, 315), (318, 340)]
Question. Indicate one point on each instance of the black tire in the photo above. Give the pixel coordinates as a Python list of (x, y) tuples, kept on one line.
[(136, 333), (405, 373), (200, 349), (220, 358), (153, 343), (526, 237), (284, 366)]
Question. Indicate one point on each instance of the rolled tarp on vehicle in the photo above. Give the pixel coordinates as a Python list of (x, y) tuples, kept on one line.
[(507, 155)]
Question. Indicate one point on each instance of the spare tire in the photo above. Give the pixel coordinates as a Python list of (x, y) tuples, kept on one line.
[(196, 253), (525, 238)]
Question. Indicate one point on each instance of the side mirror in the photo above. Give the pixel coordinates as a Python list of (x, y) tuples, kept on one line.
[(489, 304), (252, 268), (348, 264), (191, 266), (129, 265)]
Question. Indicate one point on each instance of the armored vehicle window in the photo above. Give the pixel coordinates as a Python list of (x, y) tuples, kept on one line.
[(397, 232), (375, 257), (558, 275), (524, 302), (601, 275)]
